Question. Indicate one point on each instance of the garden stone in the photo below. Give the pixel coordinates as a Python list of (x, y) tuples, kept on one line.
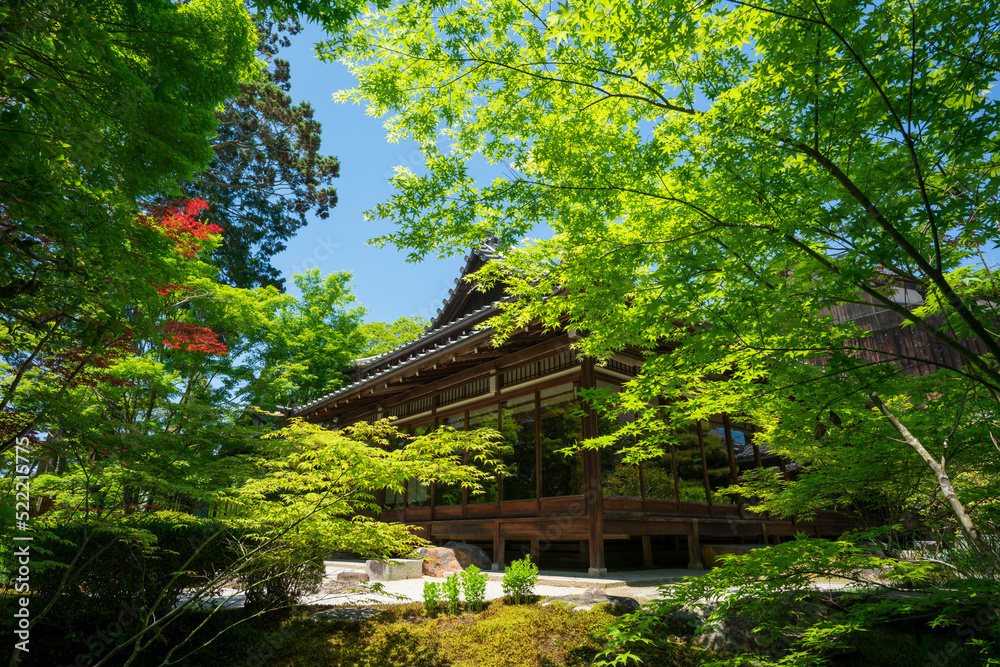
[(453, 557), (438, 561), (470, 554), (591, 598), (352, 577), (393, 570), (735, 634)]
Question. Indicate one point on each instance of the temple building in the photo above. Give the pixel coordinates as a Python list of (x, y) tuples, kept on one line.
[(586, 512)]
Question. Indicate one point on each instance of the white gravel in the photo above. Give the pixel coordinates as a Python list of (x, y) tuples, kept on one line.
[(403, 590)]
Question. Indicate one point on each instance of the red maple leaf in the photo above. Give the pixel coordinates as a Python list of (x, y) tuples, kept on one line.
[(192, 338), (172, 287), (177, 222)]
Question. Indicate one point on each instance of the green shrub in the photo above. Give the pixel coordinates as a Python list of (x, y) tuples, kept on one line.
[(432, 597), (272, 583), (451, 590), (519, 579), (474, 587), (765, 591), (970, 563), (145, 563)]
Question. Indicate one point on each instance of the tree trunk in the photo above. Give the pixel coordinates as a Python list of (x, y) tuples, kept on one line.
[(944, 483)]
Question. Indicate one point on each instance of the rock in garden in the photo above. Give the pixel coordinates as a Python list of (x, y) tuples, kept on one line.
[(735, 634), (393, 569), (593, 597), (469, 554), (453, 557), (350, 577), (438, 561)]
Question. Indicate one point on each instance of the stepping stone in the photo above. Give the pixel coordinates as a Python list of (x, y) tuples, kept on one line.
[(394, 570), (350, 577)]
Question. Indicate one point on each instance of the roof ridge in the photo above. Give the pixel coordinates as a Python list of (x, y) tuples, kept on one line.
[(458, 336)]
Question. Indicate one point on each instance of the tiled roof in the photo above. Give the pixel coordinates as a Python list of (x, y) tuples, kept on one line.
[(460, 330), (489, 251), (420, 350)]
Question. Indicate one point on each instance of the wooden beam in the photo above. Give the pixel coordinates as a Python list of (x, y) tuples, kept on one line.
[(592, 480), (538, 451), (694, 547), (528, 354), (498, 548)]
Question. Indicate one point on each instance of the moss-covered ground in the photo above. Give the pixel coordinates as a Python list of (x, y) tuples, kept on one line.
[(502, 635), (404, 636)]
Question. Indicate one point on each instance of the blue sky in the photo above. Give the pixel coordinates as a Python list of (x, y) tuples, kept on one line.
[(383, 282)]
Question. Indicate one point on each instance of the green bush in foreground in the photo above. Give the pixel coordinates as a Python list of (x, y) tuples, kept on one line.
[(474, 587), (432, 597), (451, 589), (519, 579)]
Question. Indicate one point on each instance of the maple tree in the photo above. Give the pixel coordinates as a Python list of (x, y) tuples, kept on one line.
[(721, 177), (178, 222), (103, 104), (192, 338)]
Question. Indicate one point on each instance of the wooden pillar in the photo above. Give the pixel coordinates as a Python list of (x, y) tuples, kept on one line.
[(673, 459), (498, 548), (536, 552), (465, 491), (538, 452), (500, 408), (647, 551), (704, 464), (595, 513), (781, 466), (433, 498), (434, 424), (694, 547), (593, 492), (465, 461), (763, 532)]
